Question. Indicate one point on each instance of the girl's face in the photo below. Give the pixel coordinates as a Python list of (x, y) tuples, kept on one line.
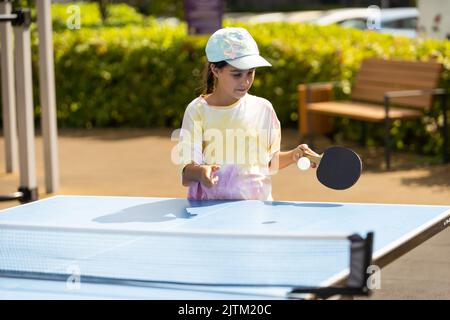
[(233, 82)]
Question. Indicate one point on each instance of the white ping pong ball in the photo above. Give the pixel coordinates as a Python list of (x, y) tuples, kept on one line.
[(303, 163)]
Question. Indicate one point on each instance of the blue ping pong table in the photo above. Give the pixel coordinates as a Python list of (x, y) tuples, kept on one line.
[(196, 249)]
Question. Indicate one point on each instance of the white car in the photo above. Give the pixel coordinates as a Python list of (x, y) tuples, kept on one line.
[(397, 21)]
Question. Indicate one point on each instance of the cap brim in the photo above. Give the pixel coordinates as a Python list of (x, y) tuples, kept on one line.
[(249, 62)]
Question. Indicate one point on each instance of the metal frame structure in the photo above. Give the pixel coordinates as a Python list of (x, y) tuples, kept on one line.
[(17, 93)]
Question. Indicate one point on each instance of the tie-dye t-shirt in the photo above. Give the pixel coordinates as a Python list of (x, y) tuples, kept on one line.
[(242, 138)]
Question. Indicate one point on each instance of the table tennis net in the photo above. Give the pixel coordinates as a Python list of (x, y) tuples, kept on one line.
[(190, 259)]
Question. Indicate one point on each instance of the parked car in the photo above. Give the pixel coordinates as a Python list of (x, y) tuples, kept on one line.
[(397, 21)]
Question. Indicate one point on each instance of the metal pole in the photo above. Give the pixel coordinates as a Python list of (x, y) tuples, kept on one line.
[(47, 95), (8, 94), (25, 112)]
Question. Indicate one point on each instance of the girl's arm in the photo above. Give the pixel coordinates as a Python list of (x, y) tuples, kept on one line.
[(286, 158)]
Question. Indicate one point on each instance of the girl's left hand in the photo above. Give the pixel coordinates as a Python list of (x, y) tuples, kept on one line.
[(300, 151)]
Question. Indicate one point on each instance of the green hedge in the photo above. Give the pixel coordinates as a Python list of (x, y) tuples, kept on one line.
[(118, 15), (143, 72)]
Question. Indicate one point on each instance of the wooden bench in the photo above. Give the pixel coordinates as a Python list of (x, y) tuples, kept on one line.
[(384, 90)]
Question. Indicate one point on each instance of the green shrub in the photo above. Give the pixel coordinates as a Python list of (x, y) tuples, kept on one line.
[(118, 15)]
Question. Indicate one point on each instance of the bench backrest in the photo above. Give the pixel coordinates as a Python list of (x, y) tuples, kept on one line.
[(377, 76)]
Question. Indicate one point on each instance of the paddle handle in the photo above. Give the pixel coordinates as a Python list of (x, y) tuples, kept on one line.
[(313, 157)]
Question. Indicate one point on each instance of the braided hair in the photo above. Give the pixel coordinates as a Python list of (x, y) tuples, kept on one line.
[(208, 76)]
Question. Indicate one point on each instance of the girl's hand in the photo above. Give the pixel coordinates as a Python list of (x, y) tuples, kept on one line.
[(207, 176), (301, 151)]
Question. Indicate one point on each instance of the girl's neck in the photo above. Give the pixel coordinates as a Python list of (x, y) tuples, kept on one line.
[(219, 99)]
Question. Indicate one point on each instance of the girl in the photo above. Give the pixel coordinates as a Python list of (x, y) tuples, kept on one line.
[(231, 139)]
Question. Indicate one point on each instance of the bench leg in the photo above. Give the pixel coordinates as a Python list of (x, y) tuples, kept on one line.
[(363, 137), (310, 119), (387, 148), (310, 131), (445, 155)]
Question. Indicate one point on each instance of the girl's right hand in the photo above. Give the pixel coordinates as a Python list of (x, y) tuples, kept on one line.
[(301, 151), (208, 177)]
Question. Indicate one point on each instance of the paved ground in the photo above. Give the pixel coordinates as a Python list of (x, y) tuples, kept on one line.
[(131, 162)]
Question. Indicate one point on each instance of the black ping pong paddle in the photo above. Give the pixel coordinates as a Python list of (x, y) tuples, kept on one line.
[(337, 168)]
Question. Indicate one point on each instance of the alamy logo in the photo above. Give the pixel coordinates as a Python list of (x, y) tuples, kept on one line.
[(374, 280), (238, 146), (73, 21), (73, 282), (446, 222), (373, 18)]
